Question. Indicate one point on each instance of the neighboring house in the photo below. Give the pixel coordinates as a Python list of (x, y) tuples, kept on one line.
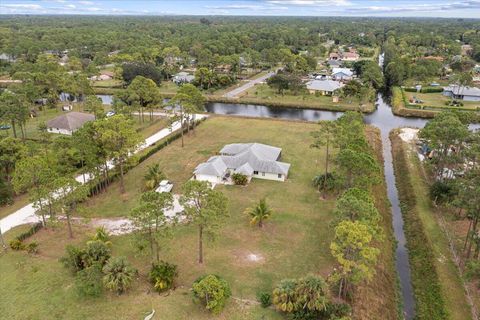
[(69, 123), (324, 87), (255, 160), (104, 75), (350, 56), (342, 74), (334, 56), (334, 63), (462, 93), (183, 77), (6, 57)]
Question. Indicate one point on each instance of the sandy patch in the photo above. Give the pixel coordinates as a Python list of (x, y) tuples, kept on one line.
[(408, 134), (254, 257)]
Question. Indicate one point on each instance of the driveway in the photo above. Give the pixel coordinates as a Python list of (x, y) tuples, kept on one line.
[(27, 214)]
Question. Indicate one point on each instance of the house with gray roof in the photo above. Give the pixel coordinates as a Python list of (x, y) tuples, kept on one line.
[(68, 123), (324, 87), (183, 77), (255, 160), (342, 74), (462, 93)]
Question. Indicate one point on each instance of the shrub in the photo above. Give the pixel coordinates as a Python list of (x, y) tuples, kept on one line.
[(265, 299), (88, 281), (32, 247), (327, 182), (285, 296), (101, 235), (96, 252), (73, 258), (212, 291), (162, 275), (442, 192), (30, 232), (118, 275), (17, 245), (472, 270), (239, 179)]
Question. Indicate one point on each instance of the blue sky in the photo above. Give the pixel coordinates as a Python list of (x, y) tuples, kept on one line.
[(392, 8)]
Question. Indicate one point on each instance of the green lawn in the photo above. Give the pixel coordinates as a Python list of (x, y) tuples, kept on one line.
[(450, 281), (146, 129), (293, 243), (262, 93), (438, 100), (112, 83)]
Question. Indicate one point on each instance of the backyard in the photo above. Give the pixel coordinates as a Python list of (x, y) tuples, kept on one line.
[(250, 259), (263, 94), (437, 99)]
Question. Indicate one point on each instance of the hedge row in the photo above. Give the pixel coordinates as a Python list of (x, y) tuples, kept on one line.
[(430, 304), (115, 174), (424, 90), (30, 232), (427, 107)]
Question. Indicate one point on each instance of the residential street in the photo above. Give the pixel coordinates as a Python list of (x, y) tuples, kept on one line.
[(235, 92)]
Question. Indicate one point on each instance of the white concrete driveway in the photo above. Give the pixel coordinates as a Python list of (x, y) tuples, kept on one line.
[(27, 214)]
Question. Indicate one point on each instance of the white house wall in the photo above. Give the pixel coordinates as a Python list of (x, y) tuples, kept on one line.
[(211, 179), (269, 176), (59, 131), (471, 98)]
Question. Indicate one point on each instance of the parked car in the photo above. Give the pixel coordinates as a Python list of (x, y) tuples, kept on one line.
[(110, 114), (164, 186)]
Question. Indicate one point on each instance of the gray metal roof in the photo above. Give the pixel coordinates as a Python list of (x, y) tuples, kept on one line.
[(463, 91), (262, 150), (70, 121), (245, 158), (213, 167), (345, 71), (324, 85)]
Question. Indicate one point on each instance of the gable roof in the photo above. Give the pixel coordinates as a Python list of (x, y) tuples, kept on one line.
[(70, 121), (213, 167), (245, 158), (261, 150), (324, 85), (345, 71), (350, 55)]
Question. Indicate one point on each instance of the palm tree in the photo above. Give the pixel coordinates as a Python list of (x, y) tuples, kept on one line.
[(118, 275), (259, 213), (153, 177)]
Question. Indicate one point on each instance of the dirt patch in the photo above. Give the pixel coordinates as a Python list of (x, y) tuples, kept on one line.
[(409, 134)]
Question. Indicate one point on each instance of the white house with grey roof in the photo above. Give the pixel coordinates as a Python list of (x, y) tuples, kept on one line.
[(324, 87), (462, 93), (255, 160), (69, 123)]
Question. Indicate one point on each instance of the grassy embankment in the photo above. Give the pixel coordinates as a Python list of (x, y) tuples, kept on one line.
[(438, 289), (433, 103), (293, 243), (262, 94), (379, 299)]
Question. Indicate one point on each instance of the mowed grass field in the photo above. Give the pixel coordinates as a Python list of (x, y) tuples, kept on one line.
[(293, 243), (262, 93)]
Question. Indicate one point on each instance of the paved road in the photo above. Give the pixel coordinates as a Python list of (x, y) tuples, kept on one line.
[(235, 92), (27, 214)]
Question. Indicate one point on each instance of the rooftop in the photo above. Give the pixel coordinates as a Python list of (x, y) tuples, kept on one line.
[(70, 121)]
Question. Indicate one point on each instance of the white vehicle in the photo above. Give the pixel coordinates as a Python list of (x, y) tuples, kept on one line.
[(110, 114), (164, 186)]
